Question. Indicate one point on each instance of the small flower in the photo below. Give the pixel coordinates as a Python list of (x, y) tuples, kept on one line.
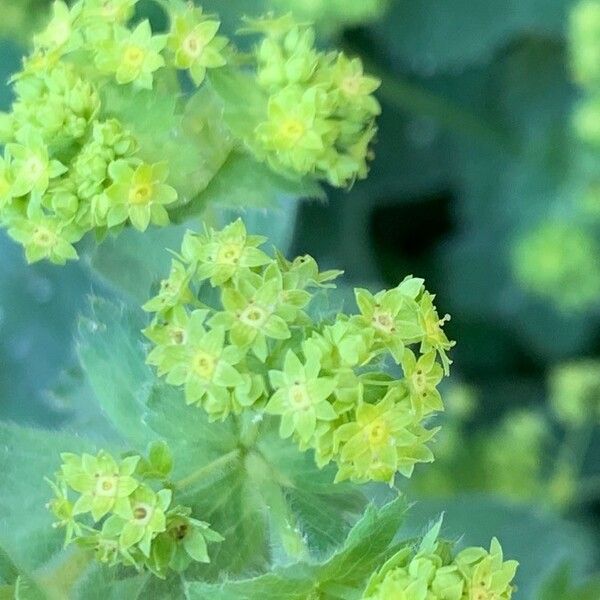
[(59, 32), (195, 44), (174, 290), (384, 438), (422, 377), (220, 255), (62, 508), (301, 396), (487, 576), (251, 314), (111, 11), (104, 484), (434, 336), (392, 316), (133, 56), (185, 539), (293, 135), (355, 87), (139, 194), (45, 237), (147, 518), (204, 365), (288, 60), (31, 167)]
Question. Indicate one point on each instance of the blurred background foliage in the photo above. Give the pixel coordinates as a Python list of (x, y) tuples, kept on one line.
[(486, 182)]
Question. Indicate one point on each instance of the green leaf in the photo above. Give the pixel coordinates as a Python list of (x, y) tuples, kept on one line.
[(102, 583), (446, 34), (113, 359), (366, 546), (560, 586), (27, 456), (133, 261)]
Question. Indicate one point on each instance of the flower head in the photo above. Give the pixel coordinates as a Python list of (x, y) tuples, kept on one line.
[(104, 484), (139, 194), (301, 396), (133, 56), (194, 43), (220, 255), (384, 438)]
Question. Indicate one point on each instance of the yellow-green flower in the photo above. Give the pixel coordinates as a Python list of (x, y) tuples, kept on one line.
[(392, 316), (422, 377), (111, 11), (355, 87), (59, 33), (487, 576), (45, 237), (139, 194), (147, 518), (220, 255), (32, 168), (301, 396), (104, 484), (133, 56), (195, 45), (293, 135), (385, 438)]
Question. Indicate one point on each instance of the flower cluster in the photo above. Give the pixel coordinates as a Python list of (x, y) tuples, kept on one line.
[(575, 393), (560, 260), (433, 573), (122, 517), (321, 110), (585, 51), (70, 165), (255, 346)]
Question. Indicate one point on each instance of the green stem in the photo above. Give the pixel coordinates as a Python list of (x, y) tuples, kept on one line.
[(208, 471)]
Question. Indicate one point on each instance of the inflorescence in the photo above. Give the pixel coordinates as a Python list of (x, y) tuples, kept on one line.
[(74, 160), (433, 572), (125, 511), (257, 348)]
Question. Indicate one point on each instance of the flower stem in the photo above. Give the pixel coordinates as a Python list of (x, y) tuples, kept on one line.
[(222, 463)]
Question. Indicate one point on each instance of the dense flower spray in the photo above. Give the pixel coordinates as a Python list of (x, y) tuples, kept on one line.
[(258, 347), (103, 134)]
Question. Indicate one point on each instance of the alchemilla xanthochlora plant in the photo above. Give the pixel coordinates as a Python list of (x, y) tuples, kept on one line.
[(252, 428)]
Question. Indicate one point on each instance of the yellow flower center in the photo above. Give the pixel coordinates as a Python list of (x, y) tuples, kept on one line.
[(140, 193), (177, 335), (192, 45), (254, 316), (204, 364), (351, 85), (419, 381), (42, 236), (142, 513), (377, 434), (229, 254), (299, 397), (383, 321), (35, 167), (106, 486), (292, 129), (134, 56)]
